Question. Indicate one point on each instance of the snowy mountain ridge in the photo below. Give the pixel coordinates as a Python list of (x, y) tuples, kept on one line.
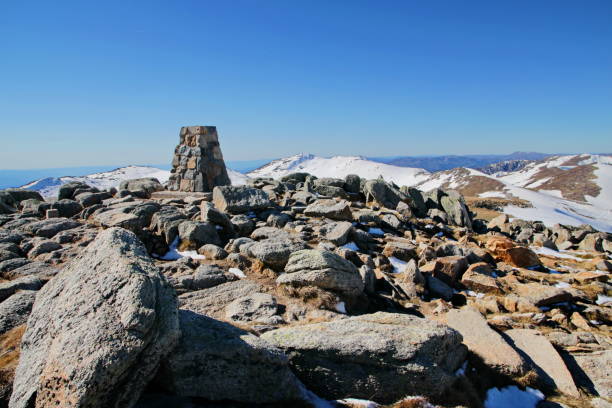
[(573, 189)]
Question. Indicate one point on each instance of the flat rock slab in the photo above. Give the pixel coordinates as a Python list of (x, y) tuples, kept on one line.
[(213, 301), (592, 371), (380, 356), (98, 329), (544, 356), (159, 195), (486, 343)]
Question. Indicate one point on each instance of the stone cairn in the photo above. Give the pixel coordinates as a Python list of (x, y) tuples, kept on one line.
[(198, 163)]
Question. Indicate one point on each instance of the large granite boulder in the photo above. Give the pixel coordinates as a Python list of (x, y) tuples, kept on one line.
[(239, 199), (323, 269), (217, 361), (382, 356), (455, 208), (98, 330), (141, 186), (194, 234), (335, 210), (382, 192), (274, 252)]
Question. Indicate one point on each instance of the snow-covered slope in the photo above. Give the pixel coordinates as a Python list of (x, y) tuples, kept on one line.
[(49, 186), (573, 190), (340, 167)]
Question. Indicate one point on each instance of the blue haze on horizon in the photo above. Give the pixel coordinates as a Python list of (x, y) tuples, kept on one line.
[(92, 83)]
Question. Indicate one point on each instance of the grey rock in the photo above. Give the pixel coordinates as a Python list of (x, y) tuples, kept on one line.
[(165, 222), (67, 208), (87, 199), (382, 193), (417, 202), (15, 310), (98, 329), (6, 255), (352, 183), (257, 307), (207, 276), (213, 301), (21, 194), (322, 269), (34, 206), (278, 220), (40, 270), (275, 252), (67, 190), (212, 251), (9, 288), (239, 199), (7, 203), (330, 209), (48, 228), (456, 210), (10, 264), (147, 185), (43, 247), (243, 225), (194, 234), (381, 357), (217, 361), (330, 191), (210, 214), (337, 232), (438, 288)]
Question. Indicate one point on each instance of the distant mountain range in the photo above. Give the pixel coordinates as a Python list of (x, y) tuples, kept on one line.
[(570, 189), (440, 163)]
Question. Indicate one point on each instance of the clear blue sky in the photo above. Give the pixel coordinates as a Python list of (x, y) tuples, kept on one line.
[(110, 82)]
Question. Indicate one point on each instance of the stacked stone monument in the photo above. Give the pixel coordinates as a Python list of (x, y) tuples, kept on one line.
[(198, 162)]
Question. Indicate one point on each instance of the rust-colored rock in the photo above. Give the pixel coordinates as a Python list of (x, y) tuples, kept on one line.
[(479, 278)]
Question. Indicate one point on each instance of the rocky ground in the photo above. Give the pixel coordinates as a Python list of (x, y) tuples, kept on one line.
[(294, 293)]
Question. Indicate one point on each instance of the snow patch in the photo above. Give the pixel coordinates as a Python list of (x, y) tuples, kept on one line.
[(351, 245), (512, 397), (552, 253), (398, 264), (237, 272), (173, 253), (601, 299), (376, 231)]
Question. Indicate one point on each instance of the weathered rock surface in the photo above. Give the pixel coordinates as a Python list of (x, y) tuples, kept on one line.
[(323, 269), (544, 357), (239, 199), (257, 307), (213, 301), (217, 361), (487, 344), (275, 252), (381, 356), (15, 310), (98, 330), (330, 209)]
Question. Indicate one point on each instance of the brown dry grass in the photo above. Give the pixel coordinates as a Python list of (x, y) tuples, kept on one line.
[(10, 346), (574, 184)]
